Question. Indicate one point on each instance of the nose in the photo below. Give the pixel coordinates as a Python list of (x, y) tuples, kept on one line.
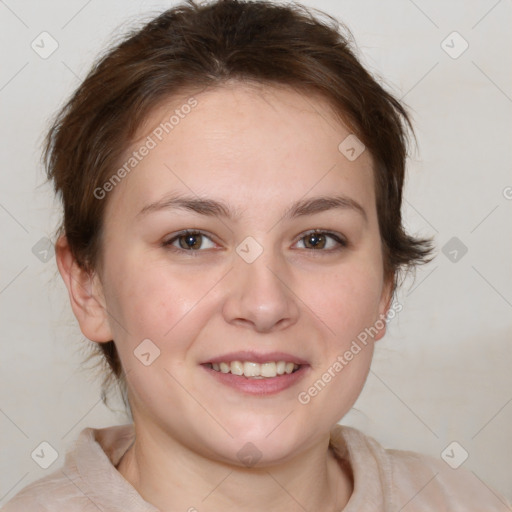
[(259, 294)]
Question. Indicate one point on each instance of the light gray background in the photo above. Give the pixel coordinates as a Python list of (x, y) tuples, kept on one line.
[(443, 371)]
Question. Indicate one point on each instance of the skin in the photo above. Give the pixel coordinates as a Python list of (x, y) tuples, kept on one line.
[(258, 149)]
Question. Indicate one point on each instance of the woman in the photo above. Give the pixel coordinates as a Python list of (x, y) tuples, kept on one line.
[(232, 178)]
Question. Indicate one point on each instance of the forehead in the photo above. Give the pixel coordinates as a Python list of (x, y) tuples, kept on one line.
[(246, 144)]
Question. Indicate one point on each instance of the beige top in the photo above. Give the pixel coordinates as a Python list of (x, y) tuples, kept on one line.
[(384, 480)]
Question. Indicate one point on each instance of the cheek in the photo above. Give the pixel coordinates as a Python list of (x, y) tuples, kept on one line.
[(347, 305), (347, 300), (148, 300)]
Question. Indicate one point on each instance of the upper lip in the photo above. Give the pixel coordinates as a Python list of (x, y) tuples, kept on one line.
[(247, 355)]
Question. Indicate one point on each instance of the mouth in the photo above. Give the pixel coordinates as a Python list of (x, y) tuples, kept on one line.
[(255, 370), (257, 379), (257, 374)]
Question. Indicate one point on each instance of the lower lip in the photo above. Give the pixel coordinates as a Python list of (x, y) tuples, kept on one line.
[(265, 386)]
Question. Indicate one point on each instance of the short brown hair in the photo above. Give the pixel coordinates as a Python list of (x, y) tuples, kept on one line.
[(192, 47)]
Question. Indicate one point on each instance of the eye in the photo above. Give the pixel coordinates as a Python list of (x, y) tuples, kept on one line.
[(188, 240), (193, 241), (318, 240)]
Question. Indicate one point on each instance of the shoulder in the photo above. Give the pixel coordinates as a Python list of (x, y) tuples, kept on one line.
[(51, 494), (87, 481), (411, 481), (424, 481)]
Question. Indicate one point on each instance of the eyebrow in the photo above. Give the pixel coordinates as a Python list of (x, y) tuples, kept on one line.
[(214, 208)]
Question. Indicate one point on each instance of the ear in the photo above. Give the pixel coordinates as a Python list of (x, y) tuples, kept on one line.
[(85, 294), (384, 305)]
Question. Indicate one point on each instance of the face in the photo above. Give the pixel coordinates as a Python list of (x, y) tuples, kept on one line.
[(218, 248)]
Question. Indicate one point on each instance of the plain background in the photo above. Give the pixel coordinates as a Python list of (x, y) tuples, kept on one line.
[(441, 374)]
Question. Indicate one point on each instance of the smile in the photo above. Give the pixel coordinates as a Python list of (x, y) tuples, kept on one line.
[(255, 370)]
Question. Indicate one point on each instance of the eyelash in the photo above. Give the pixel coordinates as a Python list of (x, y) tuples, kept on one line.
[(343, 244)]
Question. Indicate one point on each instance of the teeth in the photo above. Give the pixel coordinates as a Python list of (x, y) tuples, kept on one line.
[(289, 367), (237, 368), (268, 370), (255, 370), (252, 369)]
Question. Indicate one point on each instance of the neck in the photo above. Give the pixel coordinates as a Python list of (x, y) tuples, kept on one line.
[(172, 477)]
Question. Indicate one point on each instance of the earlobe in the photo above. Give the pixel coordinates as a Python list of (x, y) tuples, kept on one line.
[(85, 294)]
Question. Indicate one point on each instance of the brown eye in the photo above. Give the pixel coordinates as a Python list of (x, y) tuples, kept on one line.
[(191, 241), (315, 241), (318, 240)]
